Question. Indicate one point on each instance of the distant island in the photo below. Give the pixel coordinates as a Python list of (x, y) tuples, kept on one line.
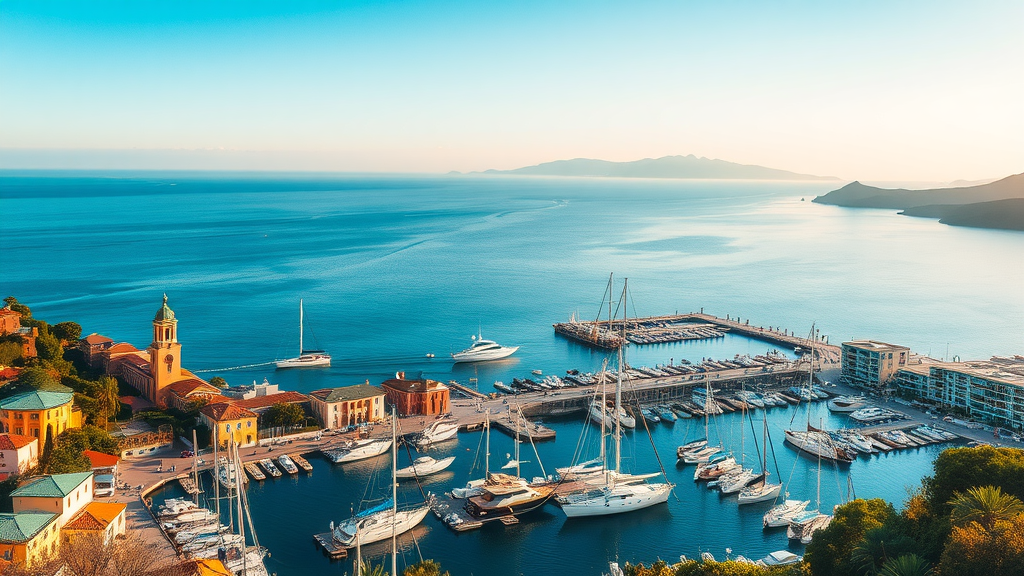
[(998, 204), (666, 167)]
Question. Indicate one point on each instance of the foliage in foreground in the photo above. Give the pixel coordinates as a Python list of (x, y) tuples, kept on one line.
[(711, 568)]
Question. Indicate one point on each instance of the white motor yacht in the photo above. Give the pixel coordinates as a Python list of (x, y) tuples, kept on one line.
[(483, 350), (844, 404), (358, 450), (424, 466), (438, 431)]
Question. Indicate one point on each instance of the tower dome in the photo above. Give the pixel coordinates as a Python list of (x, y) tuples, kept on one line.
[(164, 313)]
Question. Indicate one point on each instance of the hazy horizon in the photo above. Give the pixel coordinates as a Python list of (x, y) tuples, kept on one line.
[(925, 92)]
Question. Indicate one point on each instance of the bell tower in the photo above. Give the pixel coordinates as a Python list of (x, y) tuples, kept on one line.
[(164, 352)]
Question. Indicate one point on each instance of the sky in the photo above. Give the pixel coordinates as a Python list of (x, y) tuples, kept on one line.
[(874, 90)]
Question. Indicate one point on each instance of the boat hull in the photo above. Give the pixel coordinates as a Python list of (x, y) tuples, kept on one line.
[(498, 354), (425, 469), (305, 361), (379, 526), (618, 500), (369, 450)]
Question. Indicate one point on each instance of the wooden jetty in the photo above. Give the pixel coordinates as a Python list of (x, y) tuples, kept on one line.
[(327, 544), (301, 462), (253, 471), (466, 391), (526, 430), (188, 485)]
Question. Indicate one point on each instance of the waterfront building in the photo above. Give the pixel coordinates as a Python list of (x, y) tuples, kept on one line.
[(246, 392), (18, 454), (10, 323), (261, 404), (92, 347), (62, 494), (106, 518), (39, 414), (340, 407), (986, 390), (186, 394), (871, 364), (417, 397), (27, 537), (233, 423), (155, 370)]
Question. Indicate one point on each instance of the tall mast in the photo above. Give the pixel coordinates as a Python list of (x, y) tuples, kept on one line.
[(515, 441), (618, 386), (394, 491), (604, 415), (216, 471), (195, 464), (818, 497), (611, 286), (300, 327), (810, 378), (236, 461), (487, 447), (764, 461)]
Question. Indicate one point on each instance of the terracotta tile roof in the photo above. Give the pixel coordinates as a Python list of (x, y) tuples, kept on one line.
[(9, 312), (183, 388), (122, 347), (14, 441), (95, 338), (413, 386), (137, 403), (100, 460), (270, 399), (347, 393), (96, 516), (222, 411)]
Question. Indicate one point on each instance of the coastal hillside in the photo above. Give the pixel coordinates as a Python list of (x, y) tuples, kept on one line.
[(1000, 214), (666, 167), (857, 195)]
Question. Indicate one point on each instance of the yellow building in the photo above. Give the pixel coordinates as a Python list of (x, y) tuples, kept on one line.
[(28, 537), (61, 494), (39, 414), (153, 371), (341, 407), (105, 520), (232, 423)]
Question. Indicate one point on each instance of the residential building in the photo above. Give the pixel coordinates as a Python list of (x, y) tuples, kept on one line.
[(92, 346), (231, 423), (247, 392), (106, 518), (871, 364), (10, 323), (61, 494), (18, 454), (155, 370), (986, 390), (104, 469), (28, 537), (419, 396), (185, 394), (341, 407), (261, 404), (39, 413)]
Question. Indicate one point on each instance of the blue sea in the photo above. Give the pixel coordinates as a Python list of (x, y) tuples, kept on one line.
[(392, 268)]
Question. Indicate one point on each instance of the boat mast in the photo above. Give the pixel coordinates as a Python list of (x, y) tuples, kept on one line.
[(604, 416), (764, 460), (236, 461), (487, 446), (810, 378), (618, 384), (195, 465), (515, 441), (394, 491), (300, 327), (216, 472)]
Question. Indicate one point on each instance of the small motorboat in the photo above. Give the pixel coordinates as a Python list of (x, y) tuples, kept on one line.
[(424, 466)]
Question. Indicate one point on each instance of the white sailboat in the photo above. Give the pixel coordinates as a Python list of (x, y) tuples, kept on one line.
[(306, 358), (616, 496), (761, 490), (384, 520)]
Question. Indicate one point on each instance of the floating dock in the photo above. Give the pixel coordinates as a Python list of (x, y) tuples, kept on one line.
[(188, 485), (253, 471), (526, 430), (301, 462), (332, 550)]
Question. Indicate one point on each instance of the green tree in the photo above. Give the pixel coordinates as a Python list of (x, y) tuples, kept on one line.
[(424, 568), (9, 352), (985, 505), (829, 554), (218, 382), (107, 399), (284, 414), (960, 469), (89, 406), (878, 546), (66, 460), (47, 345), (906, 565), (67, 331)]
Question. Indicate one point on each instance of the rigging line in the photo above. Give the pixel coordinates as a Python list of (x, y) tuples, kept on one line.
[(649, 436), (522, 418), (476, 457), (774, 459), (578, 452), (753, 435), (415, 475)]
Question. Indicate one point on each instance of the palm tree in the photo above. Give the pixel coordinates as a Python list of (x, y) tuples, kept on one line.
[(366, 569), (107, 398), (985, 505), (907, 565), (424, 568), (878, 546)]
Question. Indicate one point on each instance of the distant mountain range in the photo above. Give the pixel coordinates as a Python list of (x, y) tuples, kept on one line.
[(998, 204), (666, 167)]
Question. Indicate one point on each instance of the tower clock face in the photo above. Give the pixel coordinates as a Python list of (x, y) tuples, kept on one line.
[(168, 359)]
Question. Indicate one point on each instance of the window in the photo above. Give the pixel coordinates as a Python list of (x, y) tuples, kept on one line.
[(238, 426), (35, 417), (248, 424), (227, 427)]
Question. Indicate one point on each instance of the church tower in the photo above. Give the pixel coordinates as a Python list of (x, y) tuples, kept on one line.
[(164, 352)]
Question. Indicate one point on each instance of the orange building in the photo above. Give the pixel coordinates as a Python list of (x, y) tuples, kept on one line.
[(415, 397)]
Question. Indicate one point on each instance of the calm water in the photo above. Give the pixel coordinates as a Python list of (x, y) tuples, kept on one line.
[(393, 268)]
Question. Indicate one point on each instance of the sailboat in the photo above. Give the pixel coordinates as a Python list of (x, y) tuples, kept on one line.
[(385, 519), (306, 358), (761, 490), (619, 493), (803, 526), (698, 451)]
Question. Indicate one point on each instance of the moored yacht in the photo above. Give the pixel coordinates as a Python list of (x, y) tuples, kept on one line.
[(483, 350), (847, 403), (358, 450), (306, 358)]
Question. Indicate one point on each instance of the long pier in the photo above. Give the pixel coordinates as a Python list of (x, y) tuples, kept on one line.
[(679, 327)]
